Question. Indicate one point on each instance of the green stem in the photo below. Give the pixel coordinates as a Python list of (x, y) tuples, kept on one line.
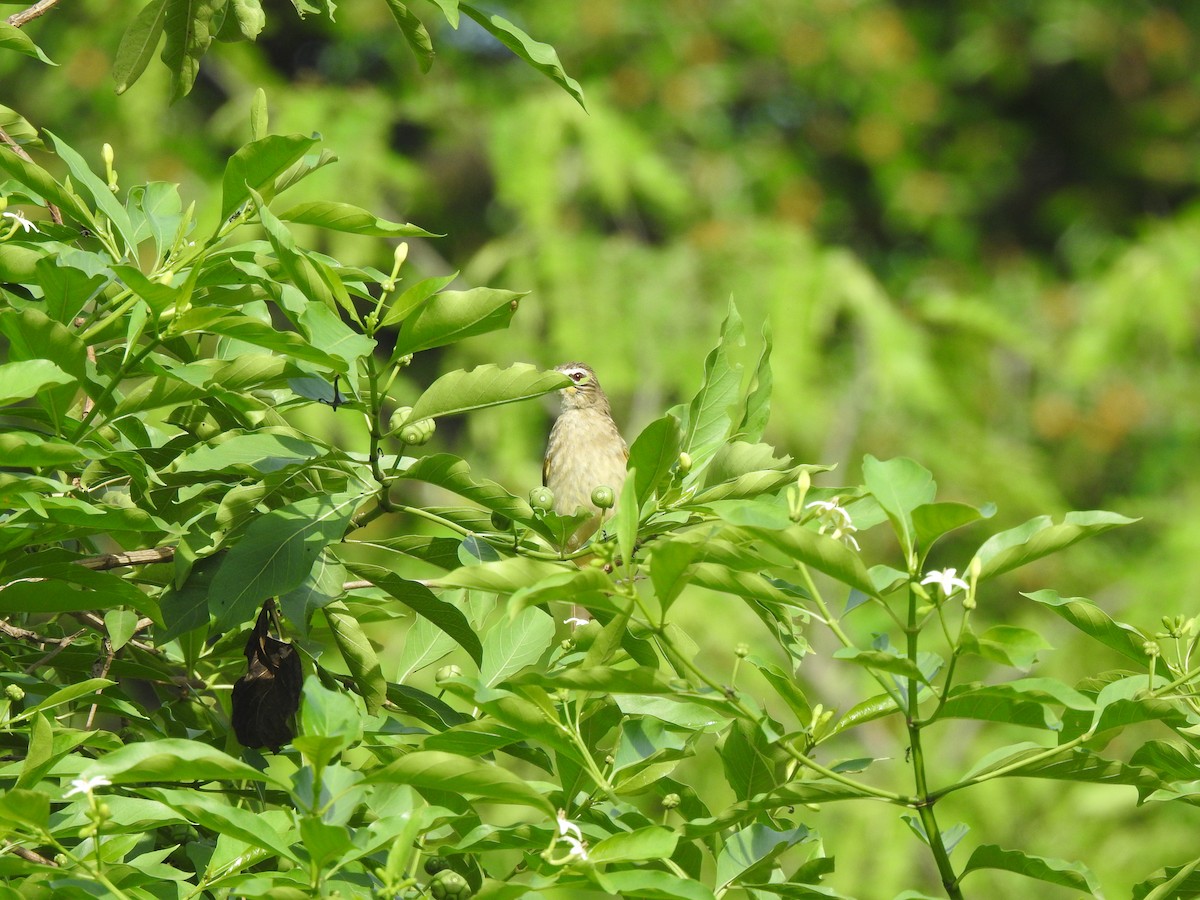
[(680, 661), (925, 802), (840, 633), (128, 366)]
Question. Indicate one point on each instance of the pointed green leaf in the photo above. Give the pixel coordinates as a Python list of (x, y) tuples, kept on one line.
[(1092, 620), (541, 56), (451, 316), (138, 44), (1006, 644), (465, 390), (275, 553), (424, 603), (361, 659), (1053, 871), (171, 760), (758, 400), (13, 38), (24, 379), (653, 454), (513, 643), (821, 552), (709, 414), (458, 775), (414, 33), (900, 486), (352, 219), (256, 165), (189, 29), (932, 520), (1040, 537), (654, 842)]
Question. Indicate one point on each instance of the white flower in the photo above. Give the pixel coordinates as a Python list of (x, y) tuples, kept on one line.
[(20, 219), (86, 785), (947, 580), (834, 519), (578, 849), (566, 827), (575, 621)]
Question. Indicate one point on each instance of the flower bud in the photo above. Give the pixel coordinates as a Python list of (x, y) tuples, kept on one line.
[(685, 462), (399, 256), (603, 497), (1151, 649), (14, 692), (670, 801), (742, 650)]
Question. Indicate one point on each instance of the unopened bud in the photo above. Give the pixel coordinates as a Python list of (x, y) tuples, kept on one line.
[(106, 153), (670, 801), (968, 602), (742, 650), (685, 462), (14, 692), (1151, 649), (399, 256)]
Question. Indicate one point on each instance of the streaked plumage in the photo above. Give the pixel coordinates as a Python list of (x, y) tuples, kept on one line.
[(585, 450)]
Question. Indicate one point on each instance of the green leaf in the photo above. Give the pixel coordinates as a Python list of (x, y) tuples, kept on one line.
[(330, 722), (352, 219), (654, 842), (821, 552), (171, 760), (758, 399), (600, 679), (514, 643), (466, 390), (398, 308), (43, 184), (1095, 622), (653, 454), (933, 520), (1006, 644), (414, 33), (504, 576), (87, 181), (256, 165), (882, 661), (752, 846), (252, 331), (669, 561), (900, 486), (189, 29), (121, 625), (1026, 701), (1171, 883), (651, 884), (454, 475), (709, 414), (19, 128), (1040, 537), (451, 316), (361, 659), (22, 380), (748, 761), (260, 451), (275, 553), (541, 56), (138, 44), (448, 772), (1053, 871), (13, 38), (214, 813), (422, 601)]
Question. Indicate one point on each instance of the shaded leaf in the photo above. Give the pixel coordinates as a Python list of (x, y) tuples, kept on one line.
[(1053, 871), (1040, 537), (465, 390), (541, 56), (138, 44)]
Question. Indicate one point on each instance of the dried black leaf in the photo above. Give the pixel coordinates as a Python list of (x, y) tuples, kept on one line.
[(268, 695)]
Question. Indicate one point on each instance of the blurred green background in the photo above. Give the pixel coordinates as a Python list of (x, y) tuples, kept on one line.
[(972, 229)]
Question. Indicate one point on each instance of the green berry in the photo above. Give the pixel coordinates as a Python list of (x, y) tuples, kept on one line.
[(501, 522), (449, 885), (399, 418), (445, 673), (436, 864), (417, 433), (541, 498), (603, 497), (14, 692)]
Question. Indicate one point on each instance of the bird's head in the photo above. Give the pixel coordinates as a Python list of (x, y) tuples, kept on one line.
[(584, 390)]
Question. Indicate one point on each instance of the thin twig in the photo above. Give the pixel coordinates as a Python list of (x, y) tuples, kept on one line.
[(20, 151), (63, 644), (29, 855), (16, 20), (100, 670), (129, 558)]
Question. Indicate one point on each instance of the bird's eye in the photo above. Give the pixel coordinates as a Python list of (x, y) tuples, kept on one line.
[(577, 376)]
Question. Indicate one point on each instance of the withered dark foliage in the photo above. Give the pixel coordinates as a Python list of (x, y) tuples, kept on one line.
[(266, 698)]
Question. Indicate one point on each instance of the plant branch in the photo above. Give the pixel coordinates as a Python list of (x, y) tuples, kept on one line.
[(55, 213), (16, 20)]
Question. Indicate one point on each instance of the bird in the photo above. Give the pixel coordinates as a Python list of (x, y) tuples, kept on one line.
[(585, 451)]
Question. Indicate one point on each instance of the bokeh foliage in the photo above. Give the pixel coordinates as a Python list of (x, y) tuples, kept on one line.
[(972, 230)]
